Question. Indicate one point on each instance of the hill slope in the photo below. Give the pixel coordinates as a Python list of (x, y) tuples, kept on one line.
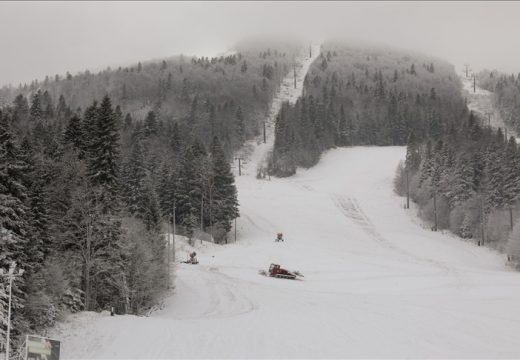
[(376, 283), (372, 276)]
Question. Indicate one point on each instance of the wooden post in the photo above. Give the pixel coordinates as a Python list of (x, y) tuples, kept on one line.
[(264, 133), (235, 229), (474, 83), (211, 209), (407, 189), (482, 232), (239, 166), (201, 215), (169, 259), (511, 217), (173, 230), (87, 265), (202, 212), (435, 209), (8, 340)]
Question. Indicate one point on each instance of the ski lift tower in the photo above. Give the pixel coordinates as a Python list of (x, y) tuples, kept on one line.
[(11, 275)]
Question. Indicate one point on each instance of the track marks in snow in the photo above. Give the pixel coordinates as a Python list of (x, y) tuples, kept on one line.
[(352, 210), (221, 295)]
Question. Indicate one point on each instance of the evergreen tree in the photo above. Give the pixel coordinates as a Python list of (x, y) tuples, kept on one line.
[(74, 135), (187, 189), (36, 109), (150, 124), (20, 108), (240, 125), (62, 110), (135, 174), (103, 155), (14, 221), (150, 210), (224, 196)]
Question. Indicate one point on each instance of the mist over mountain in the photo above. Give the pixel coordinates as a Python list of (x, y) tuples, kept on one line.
[(69, 36)]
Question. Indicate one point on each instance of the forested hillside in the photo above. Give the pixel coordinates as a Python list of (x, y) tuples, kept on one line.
[(92, 165), (222, 96), (357, 95), (507, 95), (468, 181)]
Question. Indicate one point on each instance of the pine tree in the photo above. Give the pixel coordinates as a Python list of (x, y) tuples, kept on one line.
[(135, 174), (240, 129), (36, 109), (150, 211), (224, 196), (74, 135), (14, 226), (20, 109), (150, 124), (34, 180), (166, 189), (186, 208), (175, 139), (62, 110), (103, 155), (47, 105), (89, 126), (511, 173), (413, 154)]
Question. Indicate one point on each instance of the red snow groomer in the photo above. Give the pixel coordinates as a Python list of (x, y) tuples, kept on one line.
[(277, 271)]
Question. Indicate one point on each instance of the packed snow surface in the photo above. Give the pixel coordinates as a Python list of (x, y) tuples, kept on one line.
[(377, 283)]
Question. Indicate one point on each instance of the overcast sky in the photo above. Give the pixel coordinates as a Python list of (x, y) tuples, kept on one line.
[(40, 38)]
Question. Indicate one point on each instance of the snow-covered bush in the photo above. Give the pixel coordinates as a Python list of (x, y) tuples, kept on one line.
[(400, 180), (443, 213), (145, 274), (497, 228), (464, 219), (513, 246)]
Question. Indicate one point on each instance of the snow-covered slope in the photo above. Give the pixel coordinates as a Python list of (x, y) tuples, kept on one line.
[(255, 151), (376, 283), (481, 102)]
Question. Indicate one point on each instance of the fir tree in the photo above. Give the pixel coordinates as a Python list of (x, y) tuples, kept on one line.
[(240, 125), (104, 153), (135, 174), (14, 226), (224, 195), (74, 135), (36, 108), (150, 124)]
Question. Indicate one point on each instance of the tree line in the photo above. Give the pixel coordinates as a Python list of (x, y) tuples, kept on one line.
[(506, 90), (365, 96), (86, 186), (227, 95), (467, 181)]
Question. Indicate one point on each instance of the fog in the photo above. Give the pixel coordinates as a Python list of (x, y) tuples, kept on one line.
[(47, 38)]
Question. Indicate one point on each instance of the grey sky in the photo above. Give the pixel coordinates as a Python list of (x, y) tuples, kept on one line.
[(40, 38)]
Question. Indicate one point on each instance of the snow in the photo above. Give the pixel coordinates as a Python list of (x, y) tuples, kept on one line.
[(377, 283), (481, 102), (255, 151)]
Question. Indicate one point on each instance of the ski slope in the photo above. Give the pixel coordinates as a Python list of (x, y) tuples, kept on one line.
[(481, 102), (377, 283)]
